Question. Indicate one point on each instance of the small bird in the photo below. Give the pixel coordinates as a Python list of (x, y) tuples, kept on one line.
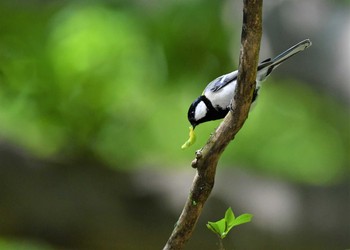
[(215, 101)]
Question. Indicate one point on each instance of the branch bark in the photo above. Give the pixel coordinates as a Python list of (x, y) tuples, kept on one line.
[(207, 158)]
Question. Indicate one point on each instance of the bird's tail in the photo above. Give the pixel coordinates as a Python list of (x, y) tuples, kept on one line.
[(266, 67), (291, 52)]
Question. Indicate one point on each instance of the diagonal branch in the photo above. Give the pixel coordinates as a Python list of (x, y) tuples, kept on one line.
[(207, 158)]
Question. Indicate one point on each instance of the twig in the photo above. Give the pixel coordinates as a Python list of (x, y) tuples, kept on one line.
[(221, 244), (207, 158)]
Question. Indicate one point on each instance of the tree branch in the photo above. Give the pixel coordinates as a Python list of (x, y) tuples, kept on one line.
[(207, 158)]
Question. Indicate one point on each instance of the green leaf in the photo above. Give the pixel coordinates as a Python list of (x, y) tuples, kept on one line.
[(218, 227), (229, 217), (243, 218), (213, 226), (222, 227)]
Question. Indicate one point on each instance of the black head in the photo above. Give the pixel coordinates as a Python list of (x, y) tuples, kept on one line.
[(192, 111), (201, 110)]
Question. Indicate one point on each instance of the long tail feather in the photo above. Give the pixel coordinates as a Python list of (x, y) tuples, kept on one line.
[(291, 52), (266, 67)]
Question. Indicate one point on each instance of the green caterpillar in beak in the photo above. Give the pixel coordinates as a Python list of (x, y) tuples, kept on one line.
[(190, 140)]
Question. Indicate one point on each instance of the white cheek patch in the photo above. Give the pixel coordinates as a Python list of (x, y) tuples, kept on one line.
[(201, 111)]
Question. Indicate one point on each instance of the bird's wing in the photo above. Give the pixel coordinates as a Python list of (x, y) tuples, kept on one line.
[(221, 81)]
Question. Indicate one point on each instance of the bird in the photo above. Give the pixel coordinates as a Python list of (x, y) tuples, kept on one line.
[(215, 101)]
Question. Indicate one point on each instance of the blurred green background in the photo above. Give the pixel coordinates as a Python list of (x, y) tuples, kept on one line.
[(93, 111)]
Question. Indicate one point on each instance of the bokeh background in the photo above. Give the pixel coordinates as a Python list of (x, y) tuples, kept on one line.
[(93, 105)]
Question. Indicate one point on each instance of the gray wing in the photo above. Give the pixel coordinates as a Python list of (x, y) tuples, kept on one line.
[(221, 82)]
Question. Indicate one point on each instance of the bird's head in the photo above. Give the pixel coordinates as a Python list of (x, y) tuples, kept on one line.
[(197, 112), (201, 110)]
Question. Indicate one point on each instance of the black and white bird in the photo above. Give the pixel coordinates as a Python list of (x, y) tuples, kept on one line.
[(215, 101)]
